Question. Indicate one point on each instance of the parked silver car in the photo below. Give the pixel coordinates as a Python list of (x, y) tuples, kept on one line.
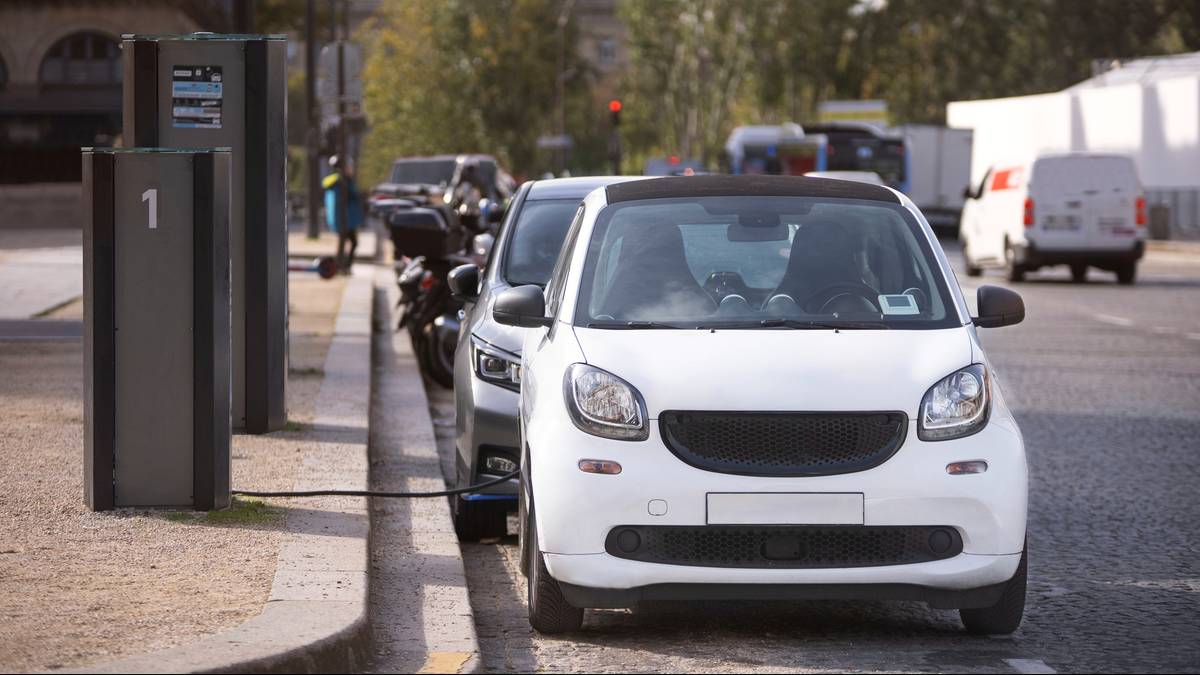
[(487, 360)]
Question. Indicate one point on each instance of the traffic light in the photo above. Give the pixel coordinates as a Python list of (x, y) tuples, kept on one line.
[(614, 108)]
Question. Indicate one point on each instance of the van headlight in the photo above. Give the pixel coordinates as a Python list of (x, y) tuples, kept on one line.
[(603, 404), (956, 406), (495, 366)]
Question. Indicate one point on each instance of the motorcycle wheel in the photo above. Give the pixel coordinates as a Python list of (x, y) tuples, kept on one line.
[(437, 357)]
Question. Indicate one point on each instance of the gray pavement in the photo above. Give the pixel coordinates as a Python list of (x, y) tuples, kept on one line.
[(420, 613), (1105, 382)]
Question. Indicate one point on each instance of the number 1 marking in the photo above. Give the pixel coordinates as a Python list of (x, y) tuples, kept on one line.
[(151, 196)]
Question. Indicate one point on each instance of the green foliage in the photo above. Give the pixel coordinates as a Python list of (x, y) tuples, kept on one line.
[(448, 76), (700, 67), (242, 511)]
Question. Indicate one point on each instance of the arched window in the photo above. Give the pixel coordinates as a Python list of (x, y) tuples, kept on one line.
[(82, 60)]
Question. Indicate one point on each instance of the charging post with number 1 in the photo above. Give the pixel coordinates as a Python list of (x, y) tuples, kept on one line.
[(157, 328)]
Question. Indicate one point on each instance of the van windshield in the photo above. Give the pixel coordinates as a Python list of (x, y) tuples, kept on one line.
[(761, 262)]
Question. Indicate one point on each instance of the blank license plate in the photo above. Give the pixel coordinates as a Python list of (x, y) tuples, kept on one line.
[(785, 508)]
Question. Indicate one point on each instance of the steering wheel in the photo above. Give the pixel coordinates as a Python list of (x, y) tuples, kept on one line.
[(831, 292), (721, 284)]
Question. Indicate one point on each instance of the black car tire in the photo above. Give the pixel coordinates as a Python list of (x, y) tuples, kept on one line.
[(479, 520), (439, 364), (1004, 617), (971, 268), (1012, 270), (1079, 273), (1127, 273), (549, 611)]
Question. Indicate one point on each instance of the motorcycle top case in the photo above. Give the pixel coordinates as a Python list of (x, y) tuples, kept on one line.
[(418, 232)]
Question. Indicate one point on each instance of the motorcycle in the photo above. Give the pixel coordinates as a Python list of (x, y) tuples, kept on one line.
[(428, 310)]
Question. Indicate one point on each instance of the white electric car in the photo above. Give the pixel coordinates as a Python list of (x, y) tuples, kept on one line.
[(763, 387)]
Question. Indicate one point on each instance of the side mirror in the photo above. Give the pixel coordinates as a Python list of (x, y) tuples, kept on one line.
[(464, 282), (523, 306), (998, 307)]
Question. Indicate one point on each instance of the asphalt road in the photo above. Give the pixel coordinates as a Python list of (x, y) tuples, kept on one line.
[(1105, 382)]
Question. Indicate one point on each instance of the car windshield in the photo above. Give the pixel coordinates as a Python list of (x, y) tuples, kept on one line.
[(537, 237), (423, 171), (761, 262)]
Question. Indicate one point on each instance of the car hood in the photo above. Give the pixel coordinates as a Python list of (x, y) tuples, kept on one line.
[(777, 370), (508, 338)]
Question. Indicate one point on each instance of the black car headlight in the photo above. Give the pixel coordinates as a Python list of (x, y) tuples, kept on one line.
[(496, 366), (956, 406)]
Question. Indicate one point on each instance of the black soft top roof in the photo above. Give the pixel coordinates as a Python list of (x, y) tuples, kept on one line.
[(746, 186)]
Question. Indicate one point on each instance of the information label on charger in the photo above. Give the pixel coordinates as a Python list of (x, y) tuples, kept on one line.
[(197, 95)]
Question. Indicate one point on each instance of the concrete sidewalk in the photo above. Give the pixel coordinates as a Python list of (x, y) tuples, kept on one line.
[(335, 606), (37, 280)]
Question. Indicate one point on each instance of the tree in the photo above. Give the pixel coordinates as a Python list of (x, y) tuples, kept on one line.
[(448, 76)]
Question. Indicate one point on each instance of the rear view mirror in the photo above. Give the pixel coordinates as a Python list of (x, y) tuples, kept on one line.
[(464, 282), (523, 306), (998, 307), (738, 232)]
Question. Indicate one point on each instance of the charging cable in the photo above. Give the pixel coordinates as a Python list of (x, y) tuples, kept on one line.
[(374, 493)]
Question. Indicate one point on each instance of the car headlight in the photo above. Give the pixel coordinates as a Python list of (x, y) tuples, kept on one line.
[(495, 366), (956, 406), (603, 404)]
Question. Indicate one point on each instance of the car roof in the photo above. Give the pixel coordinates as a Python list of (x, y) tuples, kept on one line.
[(572, 188), (747, 186)]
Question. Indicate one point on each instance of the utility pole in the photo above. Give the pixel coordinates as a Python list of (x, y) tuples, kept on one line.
[(312, 157), (343, 215), (560, 91)]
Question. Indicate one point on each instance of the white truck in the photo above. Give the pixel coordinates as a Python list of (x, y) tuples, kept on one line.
[(939, 172)]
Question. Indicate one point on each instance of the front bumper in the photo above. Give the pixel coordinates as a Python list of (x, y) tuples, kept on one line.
[(604, 581), (575, 511), (489, 427)]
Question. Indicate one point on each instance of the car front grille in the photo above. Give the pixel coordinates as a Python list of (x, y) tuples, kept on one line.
[(783, 443), (784, 546)]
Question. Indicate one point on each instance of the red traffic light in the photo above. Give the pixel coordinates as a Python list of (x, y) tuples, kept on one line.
[(614, 105)]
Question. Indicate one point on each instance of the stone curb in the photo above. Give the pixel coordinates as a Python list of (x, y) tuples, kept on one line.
[(316, 619), (426, 622)]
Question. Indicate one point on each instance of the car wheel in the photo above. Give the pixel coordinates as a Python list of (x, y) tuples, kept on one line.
[(1079, 273), (479, 520), (1005, 616), (549, 611), (971, 268), (439, 357), (1014, 272), (1127, 273)]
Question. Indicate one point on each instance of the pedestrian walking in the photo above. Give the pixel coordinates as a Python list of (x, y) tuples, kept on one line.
[(343, 210)]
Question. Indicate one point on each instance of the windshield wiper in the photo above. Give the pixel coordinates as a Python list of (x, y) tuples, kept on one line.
[(820, 325), (634, 325)]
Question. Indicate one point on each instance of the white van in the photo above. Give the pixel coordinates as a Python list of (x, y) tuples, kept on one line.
[(1079, 209)]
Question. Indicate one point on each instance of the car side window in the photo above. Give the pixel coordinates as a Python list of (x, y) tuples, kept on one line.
[(555, 289)]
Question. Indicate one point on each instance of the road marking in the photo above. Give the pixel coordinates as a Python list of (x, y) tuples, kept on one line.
[(1115, 320), (1163, 330), (1030, 666), (452, 662)]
